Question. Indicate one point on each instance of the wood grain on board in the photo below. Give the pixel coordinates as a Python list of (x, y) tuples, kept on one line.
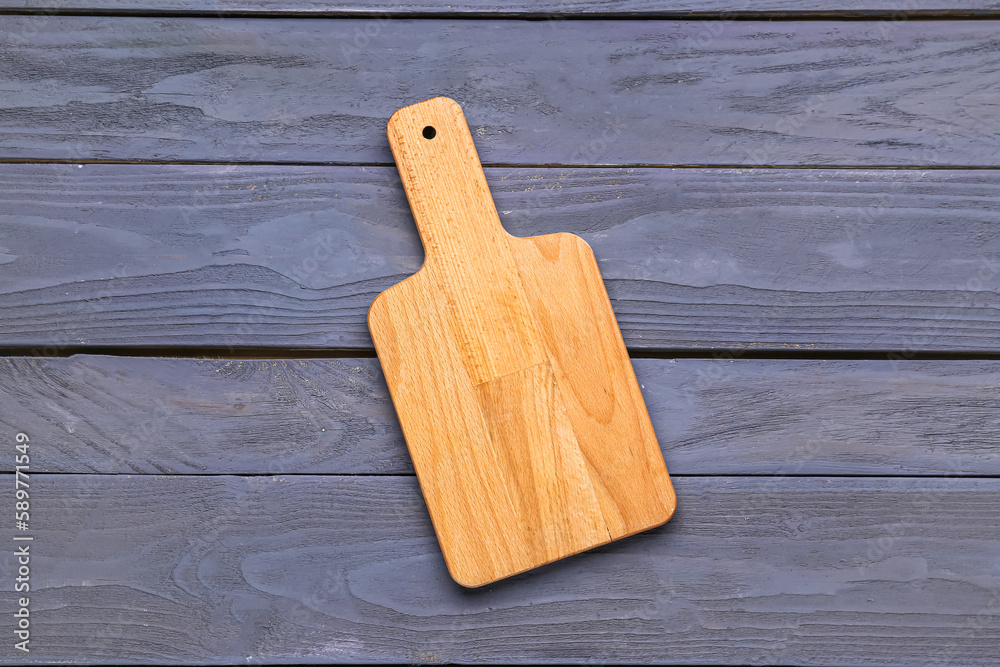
[(292, 257), (344, 569), (512, 384), (875, 93), (107, 414)]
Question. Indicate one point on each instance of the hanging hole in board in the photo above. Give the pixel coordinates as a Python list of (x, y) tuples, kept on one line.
[(429, 132)]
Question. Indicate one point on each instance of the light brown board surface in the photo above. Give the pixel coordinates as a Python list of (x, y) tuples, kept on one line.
[(510, 378)]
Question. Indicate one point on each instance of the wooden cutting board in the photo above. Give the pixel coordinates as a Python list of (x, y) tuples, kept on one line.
[(509, 375)]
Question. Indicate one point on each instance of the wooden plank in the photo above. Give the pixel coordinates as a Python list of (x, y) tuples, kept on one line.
[(556, 9), (292, 257), (550, 92), (711, 416), (334, 569)]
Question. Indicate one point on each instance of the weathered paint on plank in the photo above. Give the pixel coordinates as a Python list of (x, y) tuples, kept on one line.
[(377, 9), (751, 416), (292, 257), (565, 92), (341, 569)]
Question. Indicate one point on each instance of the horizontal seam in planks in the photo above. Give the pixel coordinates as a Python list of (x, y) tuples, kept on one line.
[(505, 165), (40, 351), (673, 475), (530, 16)]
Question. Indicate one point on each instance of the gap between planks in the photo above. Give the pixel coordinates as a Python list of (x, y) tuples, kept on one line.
[(727, 16), (673, 475), (502, 165), (46, 351)]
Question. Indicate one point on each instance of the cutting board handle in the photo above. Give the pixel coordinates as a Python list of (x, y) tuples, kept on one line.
[(444, 180)]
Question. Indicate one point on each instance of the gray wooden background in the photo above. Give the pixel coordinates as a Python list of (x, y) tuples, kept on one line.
[(795, 208)]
